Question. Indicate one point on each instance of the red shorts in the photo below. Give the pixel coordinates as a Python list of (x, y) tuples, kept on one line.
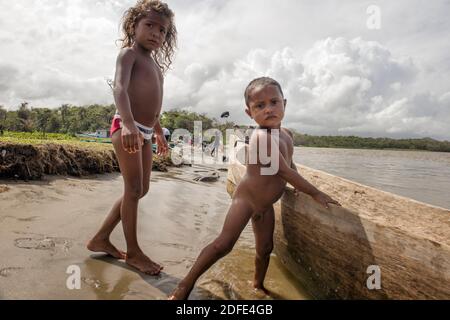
[(115, 126)]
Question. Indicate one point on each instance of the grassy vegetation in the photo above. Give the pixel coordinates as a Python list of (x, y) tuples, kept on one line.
[(37, 138)]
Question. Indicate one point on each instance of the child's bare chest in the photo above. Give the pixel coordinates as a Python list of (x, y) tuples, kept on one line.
[(146, 74), (145, 89)]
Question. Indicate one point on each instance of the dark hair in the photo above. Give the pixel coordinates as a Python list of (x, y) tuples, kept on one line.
[(260, 82), (163, 57)]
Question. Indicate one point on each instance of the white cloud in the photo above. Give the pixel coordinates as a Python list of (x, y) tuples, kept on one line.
[(339, 86)]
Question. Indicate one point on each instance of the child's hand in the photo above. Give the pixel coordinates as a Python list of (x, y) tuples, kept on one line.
[(132, 139), (325, 199), (163, 147)]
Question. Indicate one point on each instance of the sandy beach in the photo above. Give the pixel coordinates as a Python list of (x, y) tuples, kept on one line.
[(45, 225)]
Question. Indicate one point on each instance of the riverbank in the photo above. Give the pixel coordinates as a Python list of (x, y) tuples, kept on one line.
[(31, 161)]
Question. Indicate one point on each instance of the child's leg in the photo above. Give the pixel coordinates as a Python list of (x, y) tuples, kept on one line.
[(147, 162), (237, 218), (137, 260), (263, 226), (125, 209), (101, 242)]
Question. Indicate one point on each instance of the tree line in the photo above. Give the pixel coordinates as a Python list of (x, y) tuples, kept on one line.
[(65, 119), (71, 120), (353, 142)]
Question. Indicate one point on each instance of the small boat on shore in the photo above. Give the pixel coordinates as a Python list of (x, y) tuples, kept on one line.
[(376, 246)]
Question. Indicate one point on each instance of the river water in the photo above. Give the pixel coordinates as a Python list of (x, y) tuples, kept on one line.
[(420, 175)]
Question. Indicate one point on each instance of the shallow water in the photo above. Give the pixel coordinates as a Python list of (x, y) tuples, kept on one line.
[(420, 175)]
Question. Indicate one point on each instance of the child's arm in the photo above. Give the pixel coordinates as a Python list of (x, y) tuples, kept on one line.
[(293, 166), (289, 174), (158, 128), (131, 137), (163, 147)]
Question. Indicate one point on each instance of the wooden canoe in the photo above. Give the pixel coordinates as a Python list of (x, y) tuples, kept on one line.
[(330, 251)]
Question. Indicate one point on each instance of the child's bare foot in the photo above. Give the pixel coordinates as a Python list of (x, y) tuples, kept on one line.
[(104, 245), (143, 263), (260, 288), (181, 292)]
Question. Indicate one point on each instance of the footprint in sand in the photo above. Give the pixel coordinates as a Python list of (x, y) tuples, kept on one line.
[(47, 243), (7, 272)]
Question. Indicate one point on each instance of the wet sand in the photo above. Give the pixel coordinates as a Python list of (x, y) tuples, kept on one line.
[(45, 225)]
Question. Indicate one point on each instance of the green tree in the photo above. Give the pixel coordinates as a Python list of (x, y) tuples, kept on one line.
[(43, 119), (25, 117), (3, 114), (64, 111), (54, 123)]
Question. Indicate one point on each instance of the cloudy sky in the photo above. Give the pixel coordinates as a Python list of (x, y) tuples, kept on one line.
[(340, 75)]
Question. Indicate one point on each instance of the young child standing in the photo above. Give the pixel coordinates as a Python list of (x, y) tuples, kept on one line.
[(256, 193), (148, 46)]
